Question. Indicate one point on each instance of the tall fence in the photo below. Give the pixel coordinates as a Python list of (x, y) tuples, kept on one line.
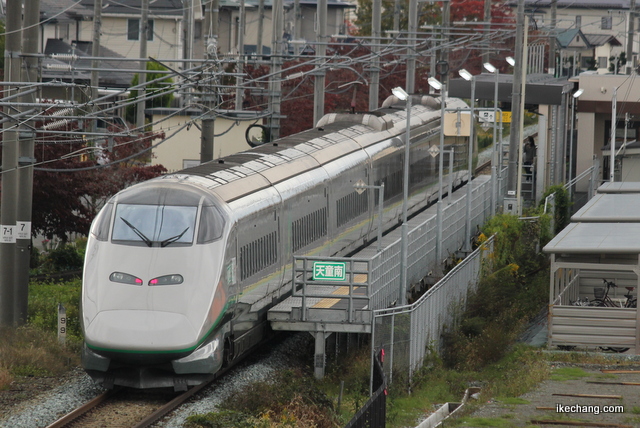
[(407, 332), (421, 255), (374, 412)]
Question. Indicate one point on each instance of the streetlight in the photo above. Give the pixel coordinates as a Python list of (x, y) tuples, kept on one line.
[(403, 96), (511, 61), (495, 160), (470, 78), (438, 86), (576, 95)]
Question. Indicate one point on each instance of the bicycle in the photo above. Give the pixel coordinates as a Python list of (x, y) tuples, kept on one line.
[(602, 299)]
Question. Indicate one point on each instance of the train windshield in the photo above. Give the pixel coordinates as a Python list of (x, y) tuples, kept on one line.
[(155, 225)]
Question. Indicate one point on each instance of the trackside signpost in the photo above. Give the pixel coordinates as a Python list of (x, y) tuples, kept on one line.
[(329, 271)]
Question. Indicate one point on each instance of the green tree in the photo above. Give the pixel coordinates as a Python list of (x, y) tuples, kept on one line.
[(152, 89)]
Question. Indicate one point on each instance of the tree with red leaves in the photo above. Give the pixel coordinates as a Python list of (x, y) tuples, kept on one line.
[(73, 178)]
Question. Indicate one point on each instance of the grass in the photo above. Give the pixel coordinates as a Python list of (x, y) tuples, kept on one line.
[(568, 373), (33, 350)]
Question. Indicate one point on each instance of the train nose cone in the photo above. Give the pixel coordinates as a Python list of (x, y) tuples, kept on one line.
[(140, 330)]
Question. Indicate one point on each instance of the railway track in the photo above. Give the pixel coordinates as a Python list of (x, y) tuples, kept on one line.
[(134, 408)]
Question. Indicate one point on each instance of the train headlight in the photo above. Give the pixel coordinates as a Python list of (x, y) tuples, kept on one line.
[(124, 278), (167, 280)]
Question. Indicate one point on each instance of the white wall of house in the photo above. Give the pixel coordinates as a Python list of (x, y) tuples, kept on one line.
[(591, 125), (590, 21), (228, 29), (166, 43), (183, 149)]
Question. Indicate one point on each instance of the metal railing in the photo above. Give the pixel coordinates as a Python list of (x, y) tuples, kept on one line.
[(407, 332)]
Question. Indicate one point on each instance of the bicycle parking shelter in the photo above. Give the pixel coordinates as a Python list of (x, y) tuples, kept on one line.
[(582, 255)]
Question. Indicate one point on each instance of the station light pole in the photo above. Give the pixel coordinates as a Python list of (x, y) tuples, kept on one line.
[(495, 159), (438, 86), (403, 96), (470, 78)]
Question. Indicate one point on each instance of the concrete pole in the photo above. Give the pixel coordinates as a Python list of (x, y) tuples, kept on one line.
[(95, 52), (412, 35), (8, 201), (516, 96), (632, 18), (142, 76), (396, 16), (552, 37), (240, 63), (261, 28), (275, 86), (374, 86), (25, 173), (520, 127), (614, 114), (208, 120), (297, 29), (487, 28), (321, 51)]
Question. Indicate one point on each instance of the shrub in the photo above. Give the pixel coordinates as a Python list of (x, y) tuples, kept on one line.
[(44, 298), (288, 399), (63, 258)]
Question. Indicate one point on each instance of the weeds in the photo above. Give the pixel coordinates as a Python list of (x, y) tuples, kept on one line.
[(28, 351), (289, 399)]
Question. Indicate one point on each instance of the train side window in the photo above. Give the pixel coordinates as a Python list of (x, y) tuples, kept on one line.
[(102, 223), (211, 225)]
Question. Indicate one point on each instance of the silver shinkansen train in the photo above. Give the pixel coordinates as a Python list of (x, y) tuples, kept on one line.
[(181, 270)]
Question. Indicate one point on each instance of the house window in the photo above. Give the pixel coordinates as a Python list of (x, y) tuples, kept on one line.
[(603, 62), (578, 21), (606, 23), (133, 29)]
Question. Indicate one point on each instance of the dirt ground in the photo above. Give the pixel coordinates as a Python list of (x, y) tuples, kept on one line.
[(606, 402)]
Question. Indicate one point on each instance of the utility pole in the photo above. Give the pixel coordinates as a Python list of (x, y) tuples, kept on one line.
[(26, 160), (261, 27), (275, 86), (412, 34), (206, 133), (632, 17), (8, 201), (516, 97), (320, 73), (240, 63), (142, 76), (552, 37), (487, 29), (95, 52), (376, 24)]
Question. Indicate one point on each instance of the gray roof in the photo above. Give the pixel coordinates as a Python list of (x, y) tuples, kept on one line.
[(596, 238), (620, 187), (51, 11), (157, 7), (610, 207), (602, 39), (107, 79)]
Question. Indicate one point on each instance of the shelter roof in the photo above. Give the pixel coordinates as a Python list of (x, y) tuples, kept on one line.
[(610, 207), (596, 238)]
